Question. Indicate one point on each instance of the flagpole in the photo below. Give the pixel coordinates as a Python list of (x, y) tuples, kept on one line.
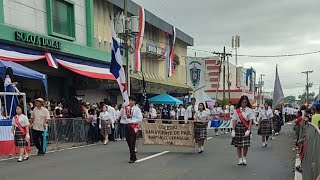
[(127, 69)]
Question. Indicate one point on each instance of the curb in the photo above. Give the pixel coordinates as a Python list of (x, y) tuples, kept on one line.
[(297, 175)]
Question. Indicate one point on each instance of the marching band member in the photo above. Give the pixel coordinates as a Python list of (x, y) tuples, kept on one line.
[(181, 113), (265, 124), (191, 110), (202, 117), (132, 116), (242, 122)]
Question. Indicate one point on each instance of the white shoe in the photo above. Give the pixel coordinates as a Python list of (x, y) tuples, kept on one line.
[(136, 150), (272, 138), (244, 161), (263, 144), (20, 159), (227, 132), (105, 142), (240, 161), (217, 134), (276, 134)]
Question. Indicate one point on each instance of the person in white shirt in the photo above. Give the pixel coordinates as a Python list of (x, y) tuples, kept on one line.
[(172, 113), (20, 129), (132, 117), (276, 122), (152, 114), (191, 110), (117, 123), (202, 117), (242, 122), (105, 124), (181, 112), (265, 124), (112, 113)]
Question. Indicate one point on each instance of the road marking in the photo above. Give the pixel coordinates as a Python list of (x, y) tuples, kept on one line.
[(48, 152), (153, 156), (209, 138)]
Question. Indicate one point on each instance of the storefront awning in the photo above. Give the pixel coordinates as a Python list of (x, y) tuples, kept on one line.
[(85, 67)]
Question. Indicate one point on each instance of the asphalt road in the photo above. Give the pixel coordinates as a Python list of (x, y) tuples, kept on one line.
[(110, 162)]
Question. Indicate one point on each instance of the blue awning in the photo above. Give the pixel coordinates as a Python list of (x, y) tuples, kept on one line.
[(22, 71), (165, 99)]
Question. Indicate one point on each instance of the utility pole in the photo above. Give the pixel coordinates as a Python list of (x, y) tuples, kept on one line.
[(236, 45), (261, 85), (308, 85), (224, 72), (229, 83), (223, 56)]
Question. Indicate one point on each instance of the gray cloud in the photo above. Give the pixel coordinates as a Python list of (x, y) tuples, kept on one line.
[(266, 28)]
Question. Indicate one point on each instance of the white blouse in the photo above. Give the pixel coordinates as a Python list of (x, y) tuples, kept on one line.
[(105, 116), (266, 114), (247, 114), (23, 120), (203, 116)]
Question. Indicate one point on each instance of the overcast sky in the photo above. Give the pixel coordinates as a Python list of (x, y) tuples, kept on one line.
[(265, 27)]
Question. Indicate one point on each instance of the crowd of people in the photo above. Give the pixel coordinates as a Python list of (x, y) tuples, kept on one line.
[(109, 122), (305, 115)]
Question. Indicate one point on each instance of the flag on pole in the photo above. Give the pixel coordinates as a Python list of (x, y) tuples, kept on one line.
[(277, 91), (116, 67), (171, 55), (137, 64)]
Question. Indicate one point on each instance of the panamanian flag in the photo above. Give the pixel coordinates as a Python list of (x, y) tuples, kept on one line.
[(7, 146), (116, 67)]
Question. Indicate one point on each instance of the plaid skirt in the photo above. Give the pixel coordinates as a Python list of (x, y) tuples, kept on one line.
[(200, 131), (105, 128), (276, 124), (19, 139), (240, 140), (265, 128)]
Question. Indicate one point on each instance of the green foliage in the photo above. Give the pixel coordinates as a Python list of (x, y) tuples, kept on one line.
[(223, 102), (176, 60)]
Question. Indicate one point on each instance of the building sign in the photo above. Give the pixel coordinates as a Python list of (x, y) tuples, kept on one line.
[(37, 40), (174, 134)]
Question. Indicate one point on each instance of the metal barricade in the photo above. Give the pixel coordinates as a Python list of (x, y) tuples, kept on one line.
[(311, 160), (67, 132)]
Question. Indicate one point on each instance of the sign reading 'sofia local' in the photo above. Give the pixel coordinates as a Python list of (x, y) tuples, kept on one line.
[(195, 72), (37, 40)]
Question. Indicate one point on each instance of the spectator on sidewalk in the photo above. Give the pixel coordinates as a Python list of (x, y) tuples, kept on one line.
[(316, 118), (181, 113), (39, 119), (93, 130), (165, 114)]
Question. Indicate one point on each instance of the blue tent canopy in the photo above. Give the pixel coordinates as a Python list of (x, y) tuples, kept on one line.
[(165, 99), (22, 71)]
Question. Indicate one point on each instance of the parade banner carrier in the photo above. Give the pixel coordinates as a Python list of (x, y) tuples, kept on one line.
[(168, 134), (220, 121)]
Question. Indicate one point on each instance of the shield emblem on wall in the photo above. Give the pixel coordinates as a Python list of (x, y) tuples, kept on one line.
[(195, 76)]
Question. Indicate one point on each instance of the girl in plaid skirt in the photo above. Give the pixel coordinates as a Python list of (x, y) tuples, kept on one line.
[(242, 122), (20, 129), (105, 124), (265, 124), (202, 118)]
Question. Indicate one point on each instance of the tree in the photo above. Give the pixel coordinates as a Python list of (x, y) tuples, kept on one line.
[(302, 97), (289, 100)]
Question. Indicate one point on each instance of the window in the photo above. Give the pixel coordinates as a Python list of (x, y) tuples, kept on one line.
[(61, 21)]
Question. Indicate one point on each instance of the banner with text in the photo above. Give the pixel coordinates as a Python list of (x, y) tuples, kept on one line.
[(220, 121), (174, 134)]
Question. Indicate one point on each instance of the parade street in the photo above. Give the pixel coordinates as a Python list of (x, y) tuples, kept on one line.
[(219, 162)]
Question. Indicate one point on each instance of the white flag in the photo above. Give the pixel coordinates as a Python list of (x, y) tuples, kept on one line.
[(277, 91)]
